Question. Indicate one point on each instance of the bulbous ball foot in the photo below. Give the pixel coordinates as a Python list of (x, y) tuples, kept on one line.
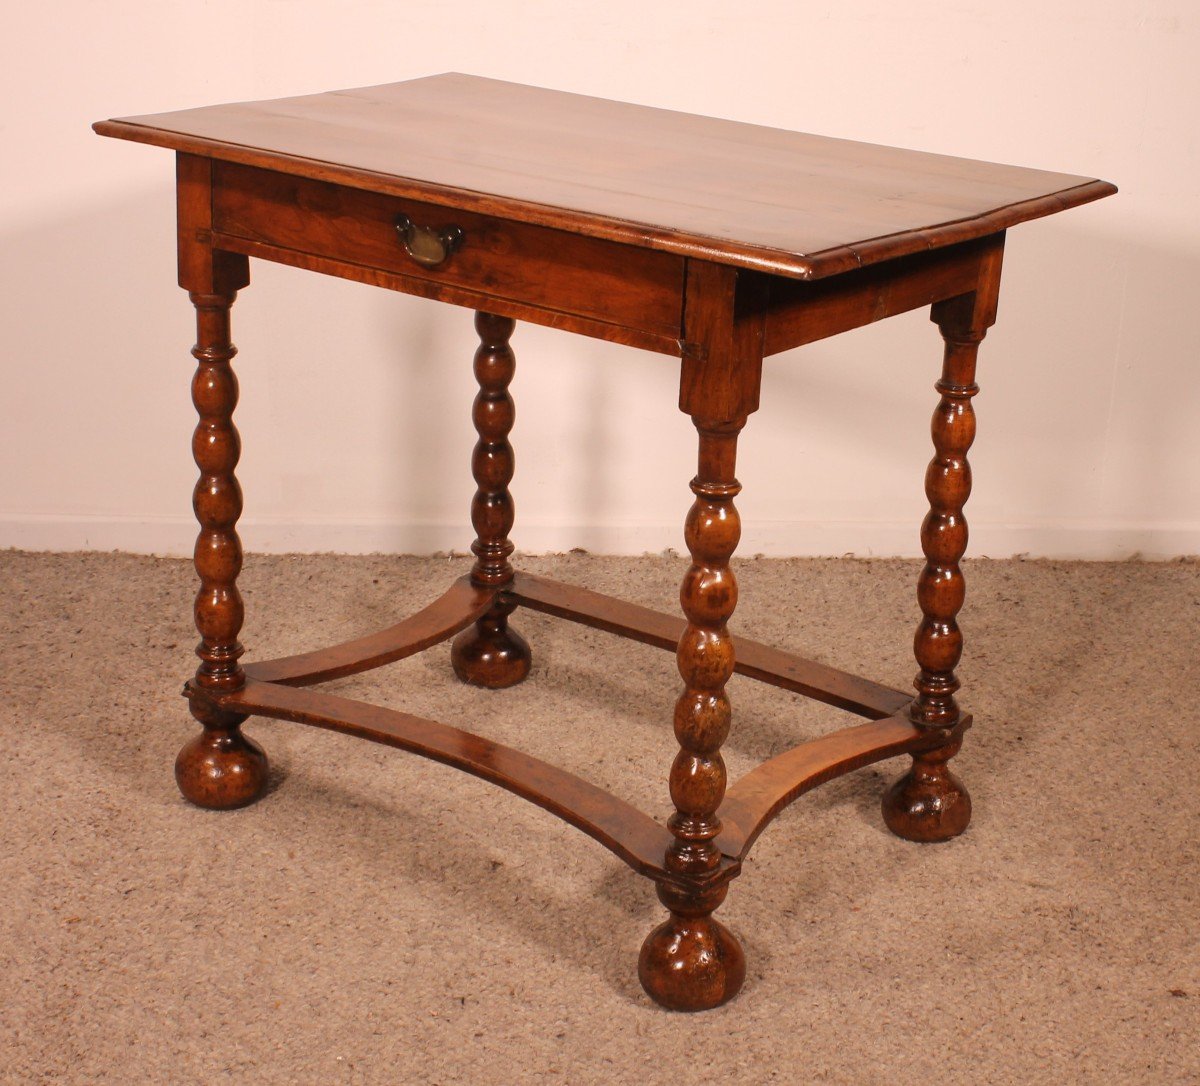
[(929, 803), (221, 769), (691, 963), (490, 655)]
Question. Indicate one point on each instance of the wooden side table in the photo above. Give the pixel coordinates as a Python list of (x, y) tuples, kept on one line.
[(714, 242)]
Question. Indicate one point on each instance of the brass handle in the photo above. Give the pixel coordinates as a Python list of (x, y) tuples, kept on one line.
[(429, 246)]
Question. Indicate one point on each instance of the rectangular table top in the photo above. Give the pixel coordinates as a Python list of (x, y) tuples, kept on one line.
[(790, 203)]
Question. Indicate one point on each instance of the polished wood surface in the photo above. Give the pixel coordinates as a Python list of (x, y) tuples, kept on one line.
[(220, 768), (691, 962), (636, 837), (930, 803), (441, 291), (713, 242), (753, 659), (490, 653), (798, 313), (784, 202), (765, 791), (750, 804), (454, 610), (551, 269)]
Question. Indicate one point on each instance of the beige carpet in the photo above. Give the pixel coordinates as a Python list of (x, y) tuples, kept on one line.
[(380, 919)]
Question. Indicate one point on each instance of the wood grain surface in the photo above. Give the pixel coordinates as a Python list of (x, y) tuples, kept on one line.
[(795, 204)]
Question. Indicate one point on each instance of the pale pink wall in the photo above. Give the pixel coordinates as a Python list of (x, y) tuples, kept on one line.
[(356, 402)]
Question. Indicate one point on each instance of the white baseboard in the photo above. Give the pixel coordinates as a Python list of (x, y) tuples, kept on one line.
[(1089, 540)]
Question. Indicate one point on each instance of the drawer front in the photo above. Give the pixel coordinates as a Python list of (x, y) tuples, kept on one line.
[(536, 265)]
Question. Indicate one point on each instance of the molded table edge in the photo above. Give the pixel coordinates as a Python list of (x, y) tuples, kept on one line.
[(718, 250)]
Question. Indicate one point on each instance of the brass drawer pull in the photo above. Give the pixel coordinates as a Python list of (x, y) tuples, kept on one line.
[(429, 246)]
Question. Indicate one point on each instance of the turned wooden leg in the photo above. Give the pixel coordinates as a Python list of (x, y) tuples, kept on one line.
[(489, 653), (930, 803), (691, 962), (221, 768)]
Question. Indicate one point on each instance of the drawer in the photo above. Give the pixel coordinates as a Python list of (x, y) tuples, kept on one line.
[(536, 265)]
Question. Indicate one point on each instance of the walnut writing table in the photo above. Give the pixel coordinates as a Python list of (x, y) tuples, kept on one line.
[(713, 242)]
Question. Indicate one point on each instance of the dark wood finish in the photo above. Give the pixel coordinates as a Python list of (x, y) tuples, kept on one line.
[(490, 653), (753, 659), (714, 242), (787, 203), (930, 803)]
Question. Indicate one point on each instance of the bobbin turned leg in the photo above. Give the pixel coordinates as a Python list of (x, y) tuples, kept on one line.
[(489, 653), (691, 962), (929, 803), (221, 768)]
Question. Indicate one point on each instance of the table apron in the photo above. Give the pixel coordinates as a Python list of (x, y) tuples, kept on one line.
[(302, 221)]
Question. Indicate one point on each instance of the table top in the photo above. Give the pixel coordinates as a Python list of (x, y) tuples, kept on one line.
[(789, 203)]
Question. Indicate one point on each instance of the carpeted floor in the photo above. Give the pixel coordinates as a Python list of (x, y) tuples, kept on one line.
[(381, 919)]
